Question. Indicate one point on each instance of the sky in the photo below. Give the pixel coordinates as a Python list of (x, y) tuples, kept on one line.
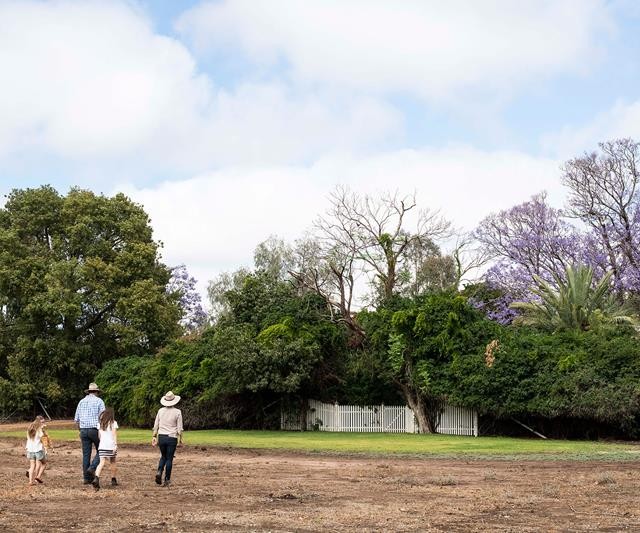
[(232, 120)]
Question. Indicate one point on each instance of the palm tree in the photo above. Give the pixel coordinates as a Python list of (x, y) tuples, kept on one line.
[(575, 302)]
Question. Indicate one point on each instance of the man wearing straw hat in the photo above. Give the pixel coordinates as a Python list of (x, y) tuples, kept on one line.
[(87, 413)]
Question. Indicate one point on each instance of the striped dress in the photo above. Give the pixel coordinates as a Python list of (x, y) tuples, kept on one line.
[(107, 446)]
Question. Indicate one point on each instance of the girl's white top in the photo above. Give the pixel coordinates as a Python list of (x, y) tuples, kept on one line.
[(35, 444), (108, 436)]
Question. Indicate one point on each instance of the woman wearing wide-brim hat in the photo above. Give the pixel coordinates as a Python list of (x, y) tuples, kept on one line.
[(167, 434)]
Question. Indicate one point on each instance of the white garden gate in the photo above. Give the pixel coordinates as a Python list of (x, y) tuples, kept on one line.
[(377, 418), (457, 421)]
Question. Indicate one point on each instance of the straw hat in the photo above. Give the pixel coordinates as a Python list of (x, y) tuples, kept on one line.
[(92, 388), (169, 399)]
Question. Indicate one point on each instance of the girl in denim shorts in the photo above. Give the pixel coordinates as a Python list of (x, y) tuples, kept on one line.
[(35, 451)]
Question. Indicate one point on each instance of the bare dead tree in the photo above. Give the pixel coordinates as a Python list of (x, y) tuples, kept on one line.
[(372, 231), (329, 271), (469, 255)]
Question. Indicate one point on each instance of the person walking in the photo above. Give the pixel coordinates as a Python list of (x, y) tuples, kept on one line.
[(47, 446), (108, 449), (86, 418), (167, 434), (35, 452)]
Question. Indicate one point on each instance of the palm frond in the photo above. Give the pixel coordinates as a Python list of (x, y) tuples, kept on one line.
[(574, 302)]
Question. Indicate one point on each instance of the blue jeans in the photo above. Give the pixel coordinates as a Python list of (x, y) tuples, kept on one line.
[(167, 447), (89, 437)]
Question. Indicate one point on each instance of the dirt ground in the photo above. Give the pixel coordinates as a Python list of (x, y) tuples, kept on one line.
[(235, 490)]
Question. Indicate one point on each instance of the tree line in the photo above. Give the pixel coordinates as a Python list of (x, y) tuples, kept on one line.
[(532, 316)]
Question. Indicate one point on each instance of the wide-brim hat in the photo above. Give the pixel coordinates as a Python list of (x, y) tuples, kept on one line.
[(169, 399), (92, 388)]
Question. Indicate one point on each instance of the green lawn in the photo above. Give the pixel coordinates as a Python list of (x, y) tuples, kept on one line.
[(383, 444)]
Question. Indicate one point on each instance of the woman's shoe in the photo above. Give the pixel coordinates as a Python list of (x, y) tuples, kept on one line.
[(114, 482), (96, 483), (166, 483), (159, 479)]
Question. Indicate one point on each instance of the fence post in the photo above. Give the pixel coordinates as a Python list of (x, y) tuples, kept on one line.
[(337, 424)]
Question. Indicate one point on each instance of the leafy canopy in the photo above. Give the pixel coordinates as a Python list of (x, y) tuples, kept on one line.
[(80, 283)]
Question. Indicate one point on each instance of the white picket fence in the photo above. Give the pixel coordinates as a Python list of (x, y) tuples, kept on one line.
[(457, 421), (377, 418)]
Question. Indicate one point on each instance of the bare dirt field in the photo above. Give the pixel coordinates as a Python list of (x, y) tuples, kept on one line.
[(238, 490)]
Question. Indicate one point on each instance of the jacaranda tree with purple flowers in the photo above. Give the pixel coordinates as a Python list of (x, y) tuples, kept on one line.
[(530, 239), (183, 285), (533, 236), (600, 229), (604, 195)]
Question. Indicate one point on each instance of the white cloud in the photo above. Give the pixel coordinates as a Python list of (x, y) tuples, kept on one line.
[(272, 124), (91, 81), (225, 214), (428, 48), (622, 120), (85, 79)]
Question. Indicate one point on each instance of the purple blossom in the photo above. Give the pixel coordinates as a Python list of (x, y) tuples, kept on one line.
[(193, 315), (496, 309), (604, 194), (531, 239), (532, 236), (535, 239)]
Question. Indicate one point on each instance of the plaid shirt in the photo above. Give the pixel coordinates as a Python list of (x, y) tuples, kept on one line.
[(88, 411)]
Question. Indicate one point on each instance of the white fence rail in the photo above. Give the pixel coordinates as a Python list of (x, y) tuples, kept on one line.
[(457, 421), (377, 418)]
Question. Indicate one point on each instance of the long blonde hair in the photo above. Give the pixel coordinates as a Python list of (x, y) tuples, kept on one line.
[(34, 427)]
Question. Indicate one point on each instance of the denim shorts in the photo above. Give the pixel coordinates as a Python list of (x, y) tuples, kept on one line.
[(36, 456)]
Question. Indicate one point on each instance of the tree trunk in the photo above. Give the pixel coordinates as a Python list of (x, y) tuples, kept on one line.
[(357, 335), (419, 407)]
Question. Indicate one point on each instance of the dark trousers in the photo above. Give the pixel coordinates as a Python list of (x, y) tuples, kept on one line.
[(89, 438), (167, 447)]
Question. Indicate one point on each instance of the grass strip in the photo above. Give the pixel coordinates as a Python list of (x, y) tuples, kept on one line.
[(382, 444)]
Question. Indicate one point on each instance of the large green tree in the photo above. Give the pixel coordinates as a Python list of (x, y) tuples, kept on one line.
[(80, 283), (419, 341)]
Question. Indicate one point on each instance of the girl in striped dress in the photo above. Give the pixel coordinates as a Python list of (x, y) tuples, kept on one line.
[(108, 447)]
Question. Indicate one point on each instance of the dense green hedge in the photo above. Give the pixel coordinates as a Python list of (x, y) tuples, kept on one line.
[(274, 346), (237, 373), (593, 375)]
